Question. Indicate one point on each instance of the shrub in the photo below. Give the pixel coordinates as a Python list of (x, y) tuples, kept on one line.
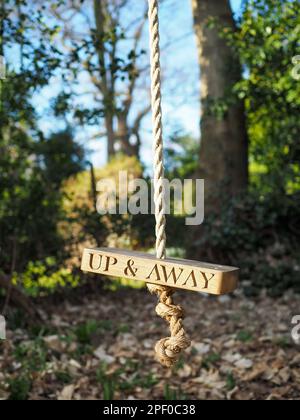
[(259, 234), (42, 277)]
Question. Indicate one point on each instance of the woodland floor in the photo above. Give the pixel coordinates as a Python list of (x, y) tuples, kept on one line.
[(100, 346)]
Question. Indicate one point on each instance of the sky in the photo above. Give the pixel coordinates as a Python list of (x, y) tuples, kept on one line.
[(181, 108)]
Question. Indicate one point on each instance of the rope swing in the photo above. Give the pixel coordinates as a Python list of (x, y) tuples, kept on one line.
[(207, 278), (167, 349)]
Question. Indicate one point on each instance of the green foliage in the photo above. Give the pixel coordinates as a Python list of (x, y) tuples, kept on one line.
[(29, 206), (61, 156), (267, 40), (19, 388), (108, 383), (124, 379), (79, 204), (63, 377), (123, 283), (32, 169), (171, 394), (32, 166), (244, 336), (33, 358), (44, 277), (30, 200), (32, 355), (284, 275), (27, 39), (211, 359), (182, 156), (85, 332), (260, 234), (230, 382), (283, 342)]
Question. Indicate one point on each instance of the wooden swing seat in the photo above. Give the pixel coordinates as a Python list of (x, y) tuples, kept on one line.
[(172, 272)]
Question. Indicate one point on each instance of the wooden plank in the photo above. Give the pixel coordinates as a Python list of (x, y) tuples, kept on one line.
[(183, 274)]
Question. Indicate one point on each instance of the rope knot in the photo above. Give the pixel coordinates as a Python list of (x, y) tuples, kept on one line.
[(168, 311), (168, 349)]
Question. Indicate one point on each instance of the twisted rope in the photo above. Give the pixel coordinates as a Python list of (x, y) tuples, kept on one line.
[(167, 349)]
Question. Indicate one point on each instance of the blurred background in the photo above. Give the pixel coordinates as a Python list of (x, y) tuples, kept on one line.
[(75, 109)]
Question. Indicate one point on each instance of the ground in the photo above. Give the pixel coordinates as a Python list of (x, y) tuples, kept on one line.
[(100, 346)]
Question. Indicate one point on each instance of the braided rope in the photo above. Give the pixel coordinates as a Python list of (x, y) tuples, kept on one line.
[(168, 349)]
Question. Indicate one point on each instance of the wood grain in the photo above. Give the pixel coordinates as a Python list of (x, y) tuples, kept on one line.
[(178, 273)]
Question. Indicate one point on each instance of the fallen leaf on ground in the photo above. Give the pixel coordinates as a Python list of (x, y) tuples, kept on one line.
[(67, 393), (101, 354)]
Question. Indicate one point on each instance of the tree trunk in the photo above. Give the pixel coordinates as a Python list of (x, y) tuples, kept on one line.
[(93, 186), (123, 136), (224, 144), (110, 135), (105, 85)]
